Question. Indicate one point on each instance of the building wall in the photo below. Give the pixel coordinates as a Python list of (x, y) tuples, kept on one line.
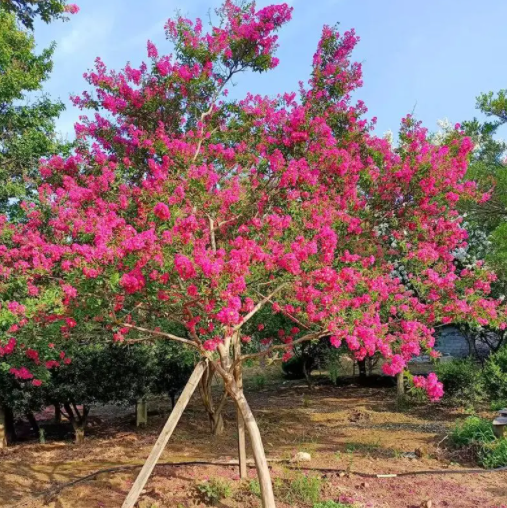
[(450, 341)]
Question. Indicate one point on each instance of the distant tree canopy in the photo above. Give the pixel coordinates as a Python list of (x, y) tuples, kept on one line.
[(487, 220), (26, 11), (27, 122)]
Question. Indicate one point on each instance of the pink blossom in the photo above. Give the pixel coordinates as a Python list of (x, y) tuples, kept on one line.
[(161, 210)]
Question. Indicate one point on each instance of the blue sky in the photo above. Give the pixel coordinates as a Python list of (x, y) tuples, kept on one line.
[(431, 56)]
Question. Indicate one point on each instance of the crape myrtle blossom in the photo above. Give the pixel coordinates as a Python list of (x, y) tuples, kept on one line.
[(179, 206)]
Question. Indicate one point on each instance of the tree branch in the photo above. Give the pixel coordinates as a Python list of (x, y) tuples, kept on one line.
[(161, 334), (258, 307)]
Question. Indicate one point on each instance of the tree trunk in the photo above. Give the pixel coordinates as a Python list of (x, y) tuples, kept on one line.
[(217, 424), (267, 496), (308, 374), (78, 421), (238, 377), (79, 434), (33, 423), (370, 365), (58, 414), (362, 368), (173, 400), (164, 436)]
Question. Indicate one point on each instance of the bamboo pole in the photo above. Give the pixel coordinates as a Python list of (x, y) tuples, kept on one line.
[(164, 436)]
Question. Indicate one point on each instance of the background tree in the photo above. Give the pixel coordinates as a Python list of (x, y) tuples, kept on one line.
[(27, 122), (26, 11)]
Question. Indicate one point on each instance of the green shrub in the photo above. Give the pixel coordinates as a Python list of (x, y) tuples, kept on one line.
[(478, 433), (213, 491), (495, 375), (462, 380), (494, 454), (473, 430), (304, 488), (255, 488)]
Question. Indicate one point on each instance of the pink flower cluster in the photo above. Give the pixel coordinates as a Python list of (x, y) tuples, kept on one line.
[(430, 384)]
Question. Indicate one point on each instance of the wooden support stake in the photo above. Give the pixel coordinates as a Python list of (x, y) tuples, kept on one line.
[(164, 436), (141, 412), (3, 431)]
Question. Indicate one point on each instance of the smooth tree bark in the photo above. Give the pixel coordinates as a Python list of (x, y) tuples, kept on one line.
[(216, 420), (261, 463), (238, 377), (165, 435)]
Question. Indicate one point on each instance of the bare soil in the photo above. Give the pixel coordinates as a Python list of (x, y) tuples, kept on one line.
[(350, 428)]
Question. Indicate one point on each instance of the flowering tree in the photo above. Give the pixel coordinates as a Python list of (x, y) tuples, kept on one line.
[(181, 206)]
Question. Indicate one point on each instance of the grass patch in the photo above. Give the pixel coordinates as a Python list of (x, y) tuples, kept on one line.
[(303, 488)]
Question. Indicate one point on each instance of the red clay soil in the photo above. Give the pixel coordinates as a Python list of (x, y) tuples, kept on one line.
[(349, 428)]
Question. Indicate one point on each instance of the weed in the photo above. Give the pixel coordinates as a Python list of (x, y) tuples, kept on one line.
[(303, 488), (494, 454), (255, 488), (473, 430), (259, 381), (212, 491)]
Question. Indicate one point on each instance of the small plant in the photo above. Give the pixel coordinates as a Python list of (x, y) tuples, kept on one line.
[(473, 430), (494, 454), (259, 381), (214, 490), (331, 504), (304, 488), (306, 401), (255, 488), (42, 436)]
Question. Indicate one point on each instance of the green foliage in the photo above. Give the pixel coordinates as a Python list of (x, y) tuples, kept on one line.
[(302, 488), (473, 430), (103, 373), (259, 381), (172, 365), (213, 491), (494, 454), (255, 488), (27, 129), (495, 375), (486, 221), (27, 11), (477, 433), (462, 380)]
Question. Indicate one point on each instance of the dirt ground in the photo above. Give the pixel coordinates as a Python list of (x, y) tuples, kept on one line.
[(351, 428)]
